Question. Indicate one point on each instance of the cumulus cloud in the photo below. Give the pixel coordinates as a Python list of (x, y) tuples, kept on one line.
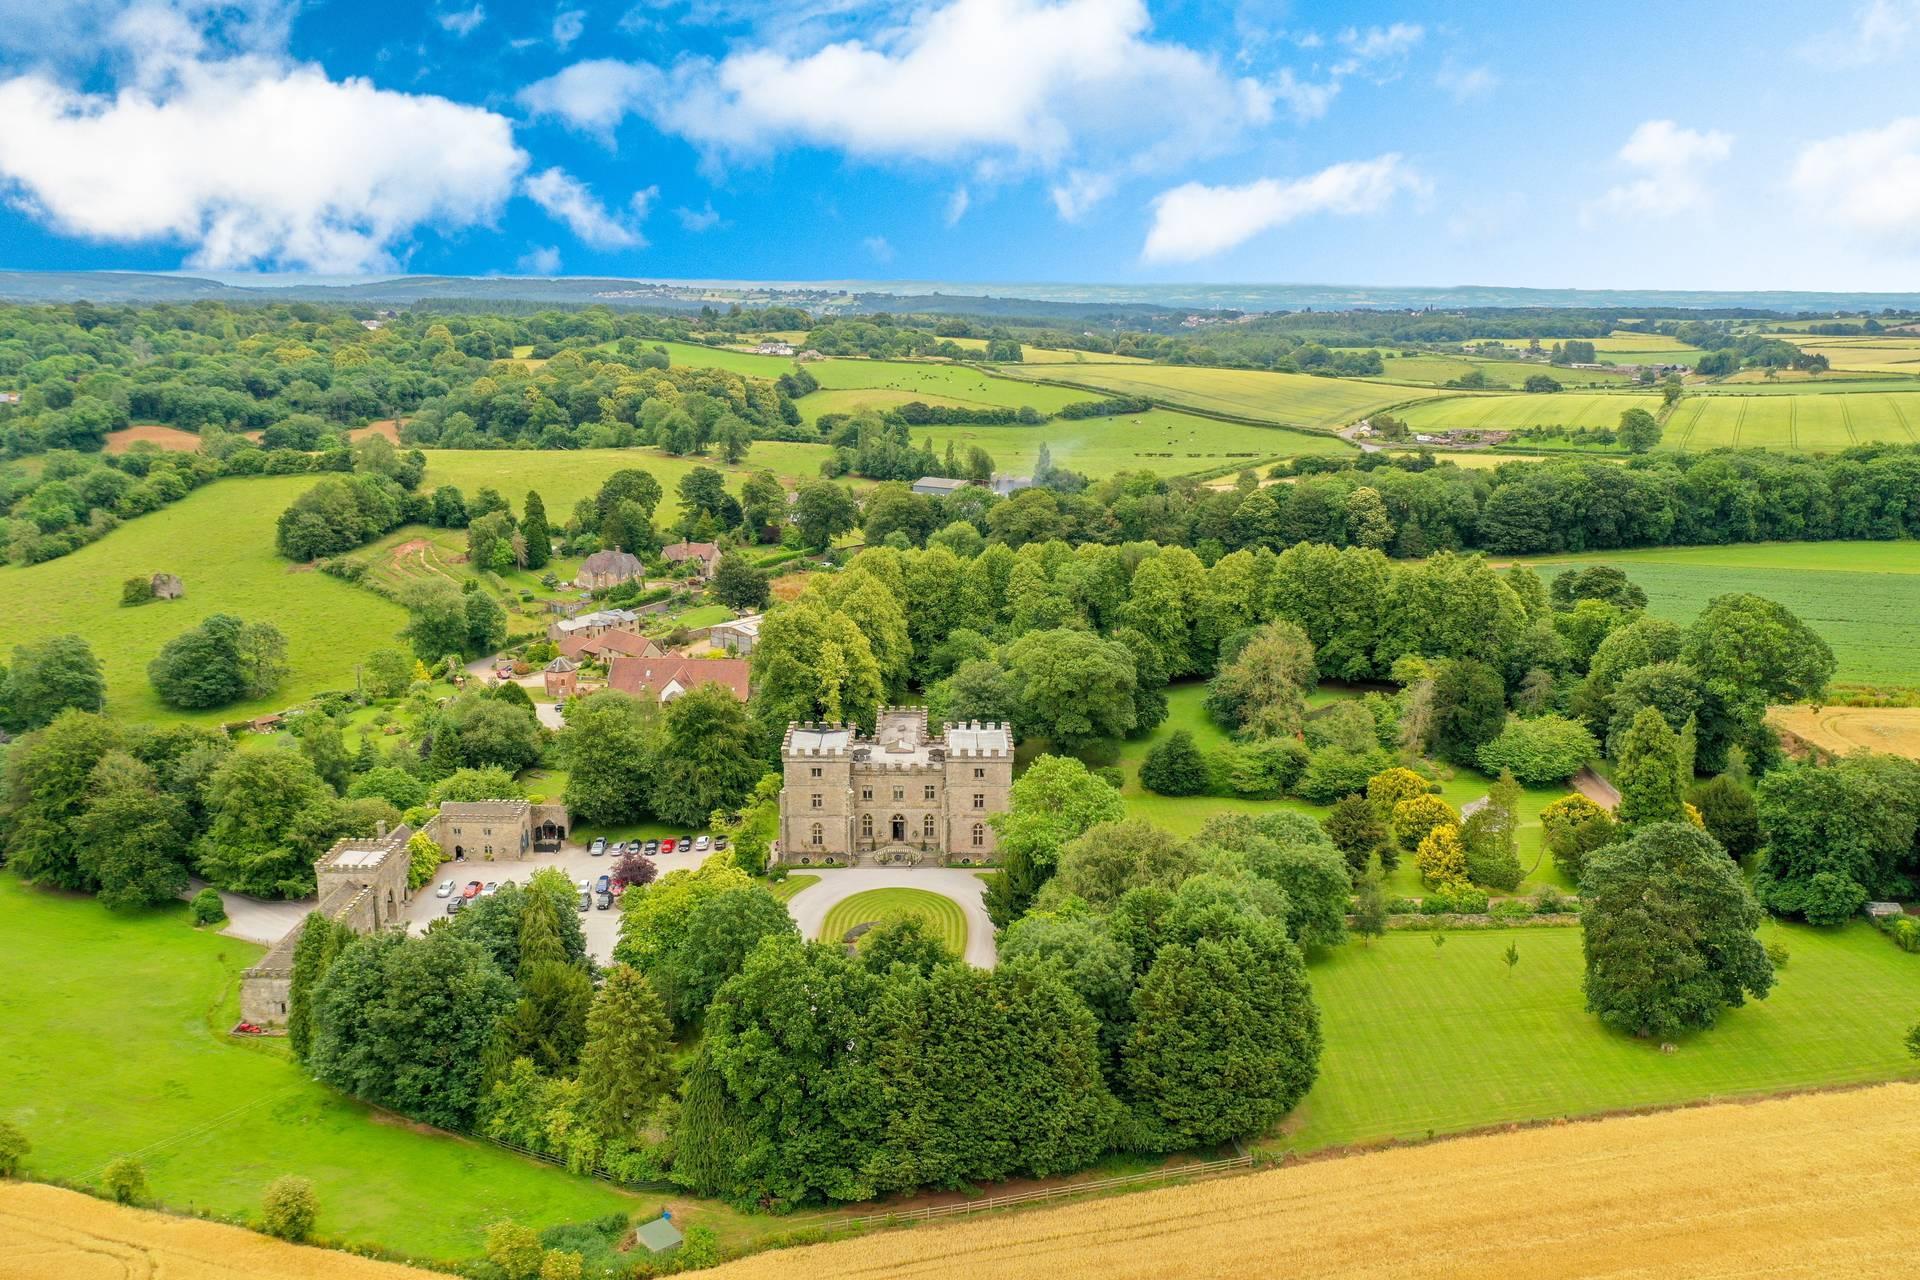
[(1877, 31), (541, 260), (1078, 192), (567, 199), (698, 220), (253, 161), (1195, 221), (1866, 182), (463, 22), (1670, 163), (1029, 80), (568, 26)]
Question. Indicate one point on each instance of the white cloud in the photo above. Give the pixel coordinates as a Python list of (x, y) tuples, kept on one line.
[(1877, 31), (83, 32), (1671, 164), (252, 161), (641, 202), (698, 220), (540, 261), (567, 199), (1078, 192), (1305, 100), (1463, 84), (1034, 80), (1377, 52), (957, 205), (593, 95), (1866, 182), (1194, 221), (879, 248), (462, 22), (568, 26), (1377, 47)]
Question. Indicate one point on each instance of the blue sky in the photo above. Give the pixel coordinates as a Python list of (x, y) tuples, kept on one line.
[(1635, 145)]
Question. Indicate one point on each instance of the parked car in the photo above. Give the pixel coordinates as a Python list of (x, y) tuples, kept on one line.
[(490, 890), (445, 890), (456, 906), (586, 902), (605, 900), (598, 847), (719, 842), (666, 846), (702, 844), (473, 889), (585, 886), (653, 847), (603, 885)]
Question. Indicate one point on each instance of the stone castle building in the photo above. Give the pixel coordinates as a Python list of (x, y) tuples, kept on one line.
[(901, 796), (363, 883)]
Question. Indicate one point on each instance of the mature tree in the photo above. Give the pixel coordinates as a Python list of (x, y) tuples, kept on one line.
[(1262, 690), (49, 783), (389, 672), (14, 1149), (1370, 906), (443, 620), (1356, 830), (1097, 965), (738, 584), (710, 945), (1726, 807), (1441, 857), (1175, 767), (1651, 773), (1574, 827), (1053, 802), (269, 817), (132, 835), (320, 943), (902, 938), (1469, 710), (626, 1068), (1837, 835), (548, 1024), (220, 661), (1113, 857), (1290, 851), (813, 662), (979, 689), (1491, 837), (708, 760), (1670, 933), (1638, 431), (391, 783), (1542, 750), (608, 748), (318, 737), (536, 531), (1750, 653), (289, 1207), (1415, 816), (46, 678), (490, 732), (406, 1022), (822, 511), (1074, 687)]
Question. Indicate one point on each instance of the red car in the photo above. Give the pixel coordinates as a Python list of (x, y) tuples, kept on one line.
[(667, 845), (473, 889)]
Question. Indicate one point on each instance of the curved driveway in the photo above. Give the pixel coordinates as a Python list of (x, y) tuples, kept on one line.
[(809, 907)]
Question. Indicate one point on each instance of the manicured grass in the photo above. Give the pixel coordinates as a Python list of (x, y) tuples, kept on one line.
[(942, 914), (1425, 1040), (1284, 399), (785, 889), (112, 1029), (1463, 412), (1861, 597), (219, 539)]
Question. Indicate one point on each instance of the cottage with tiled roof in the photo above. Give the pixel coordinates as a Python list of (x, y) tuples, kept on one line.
[(605, 569), (674, 676)]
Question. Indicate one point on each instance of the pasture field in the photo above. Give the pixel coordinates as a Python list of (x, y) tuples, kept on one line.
[(219, 539), (1283, 399), (1160, 440), (48, 1233), (564, 476), (943, 916), (1892, 730), (1816, 422), (1055, 355), (1861, 597), (1468, 412), (1423, 1040), (1629, 1196), (691, 355), (150, 1071), (1431, 370), (960, 383)]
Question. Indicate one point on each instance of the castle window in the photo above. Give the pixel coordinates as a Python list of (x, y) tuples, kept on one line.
[(978, 772), (814, 772), (816, 800), (817, 836), (866, 793), (899, 793), (979, 801), (926, 827), (929, 793), (979, 835), (866, 826)]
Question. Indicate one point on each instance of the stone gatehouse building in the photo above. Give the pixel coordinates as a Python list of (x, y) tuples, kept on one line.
[(901, 796)]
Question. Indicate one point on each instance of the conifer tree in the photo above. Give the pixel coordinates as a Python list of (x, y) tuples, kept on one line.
[(533, 527), (1652, 786), (624, 1068)]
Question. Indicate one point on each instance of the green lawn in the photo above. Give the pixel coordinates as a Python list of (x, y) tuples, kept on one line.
[(1283, 399), (219, 539), (111, 1028), (1861, 597), (942, 914), (1161, 440), (784, 889), (1423, 1040)]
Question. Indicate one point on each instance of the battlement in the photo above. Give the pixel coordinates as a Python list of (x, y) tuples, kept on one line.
[(977, 741), (815, 740)]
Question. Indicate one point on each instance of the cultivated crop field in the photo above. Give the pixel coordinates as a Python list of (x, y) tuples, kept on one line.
[(1822, 421), (1053, 355), (1284, 399), (1814, 1186), (943, 916), (1870, 353), (1893, 730), (1862, 597), (1159, 440), (1432, 370), (1572, 409), (218, 538)]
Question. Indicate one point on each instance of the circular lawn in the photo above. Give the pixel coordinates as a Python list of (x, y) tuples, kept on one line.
[(942, 914)]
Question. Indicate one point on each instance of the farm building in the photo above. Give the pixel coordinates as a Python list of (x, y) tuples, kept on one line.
[(608, 569), (673, 676), (737, 637), (587, 625), (938, 486), (602, 647)]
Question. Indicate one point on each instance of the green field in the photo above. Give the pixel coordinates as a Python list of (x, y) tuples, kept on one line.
[(1463, 412), (564, 476), (1423, 1040), (1433, 371), (112, 1028), (1160, 440), (219, 539), (1816, 421), (1862, 597), (1284, 399), (954, 383), (942, 914)]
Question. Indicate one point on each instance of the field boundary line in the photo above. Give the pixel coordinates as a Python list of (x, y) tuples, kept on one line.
[(1900, 415), (1846, 418)]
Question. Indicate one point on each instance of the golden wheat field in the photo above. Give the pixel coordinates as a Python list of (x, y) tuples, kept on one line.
[(47, 1233), (1894, 730), (1819, 1185)]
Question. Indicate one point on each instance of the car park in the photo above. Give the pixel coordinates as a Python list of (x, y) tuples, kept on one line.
[(702, 844), (456, 906), (605, 900), (598, 847), (666, 846), (445, 890), (586, 902), (603, 885), (473, 889), (719, 842)]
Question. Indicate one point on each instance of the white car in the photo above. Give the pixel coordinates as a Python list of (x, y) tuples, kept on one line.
[(700, 845), (445, 890)]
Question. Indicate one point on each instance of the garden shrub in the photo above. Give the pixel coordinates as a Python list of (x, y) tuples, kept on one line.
[(1175, 767), (206, 907), (289, 1208), (1333, 772), (125, 1180), (1542, 750), (13, 1150)]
